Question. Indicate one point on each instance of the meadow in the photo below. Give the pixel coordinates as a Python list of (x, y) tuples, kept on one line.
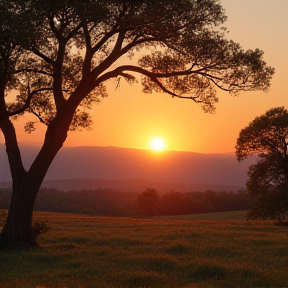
[(90, 251), (229, 215)]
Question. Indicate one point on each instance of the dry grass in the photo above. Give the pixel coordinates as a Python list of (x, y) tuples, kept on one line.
[(229, 215), (85, 251)]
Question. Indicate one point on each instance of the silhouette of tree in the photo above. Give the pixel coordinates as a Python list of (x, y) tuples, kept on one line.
[(267, 136), (147, 202), (59, 54)]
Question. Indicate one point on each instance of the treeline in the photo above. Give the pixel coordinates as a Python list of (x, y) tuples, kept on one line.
[(176, 203), (103, 202), (108, 202)]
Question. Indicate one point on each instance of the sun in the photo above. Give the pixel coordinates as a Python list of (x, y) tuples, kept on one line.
[(157, 144)]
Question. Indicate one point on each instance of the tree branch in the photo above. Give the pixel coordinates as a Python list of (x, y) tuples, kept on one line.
[(115, 29), (14, 155), (28, 101), (38, 116), (42, 56), (114, 55), (89, 53), (32, 70), (153, 76), (53, 27)]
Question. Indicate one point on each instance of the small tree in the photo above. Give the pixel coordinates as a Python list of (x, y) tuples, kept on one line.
[(147, 202), (60, 54), (267, 137)]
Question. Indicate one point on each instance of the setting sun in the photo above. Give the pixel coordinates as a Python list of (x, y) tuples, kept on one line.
[(157, 144)]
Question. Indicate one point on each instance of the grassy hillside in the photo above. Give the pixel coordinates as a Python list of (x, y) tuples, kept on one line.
[(229, 215), (88, 251)]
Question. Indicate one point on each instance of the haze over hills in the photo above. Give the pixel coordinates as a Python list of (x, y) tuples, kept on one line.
[(93, 167)]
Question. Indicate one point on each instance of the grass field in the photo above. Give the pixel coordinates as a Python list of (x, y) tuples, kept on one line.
[(229, 215), (86, 251)]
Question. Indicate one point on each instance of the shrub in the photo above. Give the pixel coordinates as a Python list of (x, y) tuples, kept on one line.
[(40, 227)]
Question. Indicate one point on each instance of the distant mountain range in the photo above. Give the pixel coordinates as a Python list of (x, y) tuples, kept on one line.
[(135, 169)]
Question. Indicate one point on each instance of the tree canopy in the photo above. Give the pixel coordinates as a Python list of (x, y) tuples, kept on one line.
[(267, 137), (147, 202), (74, 46), (59, 56)]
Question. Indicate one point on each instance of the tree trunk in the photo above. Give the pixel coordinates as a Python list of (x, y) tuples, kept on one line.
[(18, 227)]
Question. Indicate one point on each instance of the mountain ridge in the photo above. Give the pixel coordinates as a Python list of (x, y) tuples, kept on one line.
[(123, 164), (128, 185)]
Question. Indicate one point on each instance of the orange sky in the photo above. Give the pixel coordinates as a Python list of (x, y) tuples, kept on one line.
[(129, 118)]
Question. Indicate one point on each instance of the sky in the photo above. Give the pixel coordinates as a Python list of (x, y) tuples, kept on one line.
[(130, 118)]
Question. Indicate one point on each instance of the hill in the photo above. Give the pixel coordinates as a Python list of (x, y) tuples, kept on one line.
[(128, 185), (123, 164)]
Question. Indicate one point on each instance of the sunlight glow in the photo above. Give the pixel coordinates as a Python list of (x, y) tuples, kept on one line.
[(157, 144)]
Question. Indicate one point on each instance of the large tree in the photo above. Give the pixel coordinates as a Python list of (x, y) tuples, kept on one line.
[(267, 137), (62, 52), (147, 202)]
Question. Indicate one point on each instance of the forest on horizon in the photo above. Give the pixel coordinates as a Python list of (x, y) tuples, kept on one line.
[(109, 202)]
